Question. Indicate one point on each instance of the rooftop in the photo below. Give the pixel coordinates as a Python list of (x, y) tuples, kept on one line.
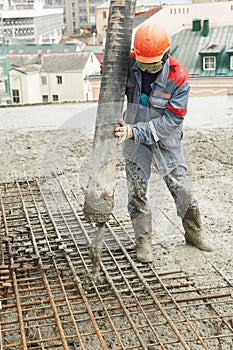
[(187, 45), (143, 3), (68, 62), (45, 48)]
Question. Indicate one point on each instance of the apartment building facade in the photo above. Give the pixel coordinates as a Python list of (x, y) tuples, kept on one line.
[(28, 22), (78, 14)]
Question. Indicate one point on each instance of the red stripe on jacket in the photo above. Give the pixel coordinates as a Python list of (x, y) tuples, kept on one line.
[(180, 112)]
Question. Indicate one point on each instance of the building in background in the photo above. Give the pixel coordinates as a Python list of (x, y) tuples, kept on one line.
[(55, 77), (54, 3), (5, 91), (28, 22), (179, 16), (142, 6), (173, 14), (80, 14), (67, 72), (207, 53)]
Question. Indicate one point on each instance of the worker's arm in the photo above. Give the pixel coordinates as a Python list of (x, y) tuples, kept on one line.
[(164, 127)]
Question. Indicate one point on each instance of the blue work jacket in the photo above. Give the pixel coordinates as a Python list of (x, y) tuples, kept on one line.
[(160, 122)]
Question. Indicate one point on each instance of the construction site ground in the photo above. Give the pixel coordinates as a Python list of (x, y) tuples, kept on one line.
[(39, 142)]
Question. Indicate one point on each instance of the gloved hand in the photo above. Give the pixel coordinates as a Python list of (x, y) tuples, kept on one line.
[(123, 132)]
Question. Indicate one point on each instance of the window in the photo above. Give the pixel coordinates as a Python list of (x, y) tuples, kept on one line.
[(45, 98), (104, 14), (231, 62), (15, 96), (55, 98), (59, 79), (44, 80), (209, 63)]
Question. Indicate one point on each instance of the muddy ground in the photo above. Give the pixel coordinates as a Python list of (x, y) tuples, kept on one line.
[(209, 154), (210, 159)]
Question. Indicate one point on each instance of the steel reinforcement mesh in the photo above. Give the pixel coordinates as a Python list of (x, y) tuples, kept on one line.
[(48, 299)]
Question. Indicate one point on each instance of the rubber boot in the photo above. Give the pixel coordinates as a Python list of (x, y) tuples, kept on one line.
[(143, 233), (193, 230)]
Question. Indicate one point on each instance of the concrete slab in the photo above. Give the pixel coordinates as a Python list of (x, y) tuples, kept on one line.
[(203, 112)]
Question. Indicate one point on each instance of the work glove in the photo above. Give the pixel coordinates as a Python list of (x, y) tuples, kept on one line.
[(123, 132)]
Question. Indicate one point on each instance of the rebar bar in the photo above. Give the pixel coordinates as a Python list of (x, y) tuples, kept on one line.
[(49, 300)]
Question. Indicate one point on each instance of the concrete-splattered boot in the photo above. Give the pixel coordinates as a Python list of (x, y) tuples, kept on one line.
[(193, 230), (143, 232)]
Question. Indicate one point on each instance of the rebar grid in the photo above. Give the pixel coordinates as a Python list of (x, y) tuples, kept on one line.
[(49, 300)]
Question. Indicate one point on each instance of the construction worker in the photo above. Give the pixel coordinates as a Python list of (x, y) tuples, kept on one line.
[(157, 95)]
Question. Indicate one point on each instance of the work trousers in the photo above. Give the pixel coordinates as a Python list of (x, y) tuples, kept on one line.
[(138, 174)]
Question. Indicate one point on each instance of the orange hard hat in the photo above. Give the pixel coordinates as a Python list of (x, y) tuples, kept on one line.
[(151, 42)]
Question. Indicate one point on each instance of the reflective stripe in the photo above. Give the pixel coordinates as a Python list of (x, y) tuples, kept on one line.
[(161, 94), (152, 129)]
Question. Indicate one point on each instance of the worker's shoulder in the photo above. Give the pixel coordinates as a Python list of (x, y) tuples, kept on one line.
[(132, 58), (177, 72)]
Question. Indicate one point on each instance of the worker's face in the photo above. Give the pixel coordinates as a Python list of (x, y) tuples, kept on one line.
[(150, 67)]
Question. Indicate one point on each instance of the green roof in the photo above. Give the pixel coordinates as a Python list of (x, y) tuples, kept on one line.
[(93, 76), (189, 47), (44, 48), (213, 49), (94, 48)]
